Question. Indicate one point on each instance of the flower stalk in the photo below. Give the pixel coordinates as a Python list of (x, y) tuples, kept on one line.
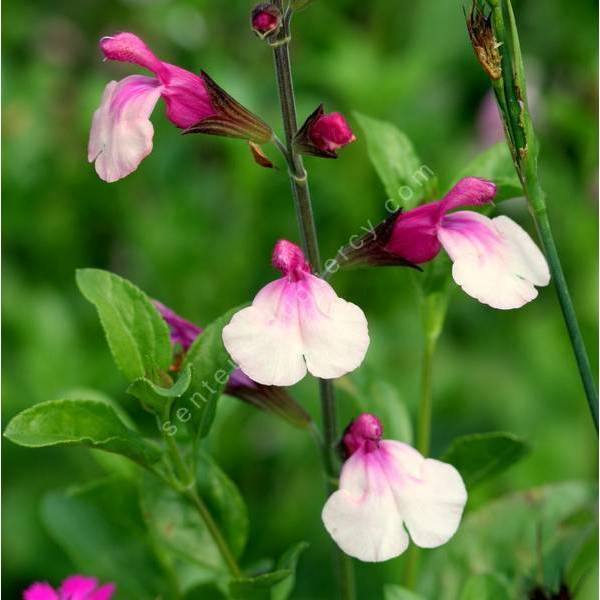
[(308, 235), (511, 94)]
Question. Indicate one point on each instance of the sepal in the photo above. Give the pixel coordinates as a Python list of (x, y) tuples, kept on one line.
[(232, 119)]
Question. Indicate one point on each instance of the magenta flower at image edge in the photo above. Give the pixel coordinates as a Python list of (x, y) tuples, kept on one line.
[(387, 488), (296, 324), (75, 587), (495, 260)]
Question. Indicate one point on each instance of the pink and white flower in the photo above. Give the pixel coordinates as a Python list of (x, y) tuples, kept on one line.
[(495, 260), (121, 134), (389, 491), (75, 587), (296, 324)]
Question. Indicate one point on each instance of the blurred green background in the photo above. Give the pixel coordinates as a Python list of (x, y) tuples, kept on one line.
[(195, 224)]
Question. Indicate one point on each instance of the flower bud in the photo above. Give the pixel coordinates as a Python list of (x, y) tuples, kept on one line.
[(323, 134), (365, 431), (266, 19), (484, 43)]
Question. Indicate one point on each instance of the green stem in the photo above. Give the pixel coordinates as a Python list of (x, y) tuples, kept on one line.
[(215, 532), (512, 101), (423, 437), (542, 222), (425, 402), (186, 486), (310, 244)]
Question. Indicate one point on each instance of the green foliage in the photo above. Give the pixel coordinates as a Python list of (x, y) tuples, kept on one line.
[(156, 397), (224, 502), (508, 538), (87, 423), (485, 587), (211, 367), (396, 592), (495, 164), (137, 335), (100, 528), (481, 456), (288, 562), (406, 179), (179, 530), (257, 588)]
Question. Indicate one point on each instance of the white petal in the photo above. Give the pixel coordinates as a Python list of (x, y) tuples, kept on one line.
[(335, 333), (264, 339), (493, 264), (362, 516), (528, 260), (121, 134), (430, 494)]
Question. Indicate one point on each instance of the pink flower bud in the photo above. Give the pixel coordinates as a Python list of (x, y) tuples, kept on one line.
[(266, 19), (364, 432), (323, 134), (330, 132)]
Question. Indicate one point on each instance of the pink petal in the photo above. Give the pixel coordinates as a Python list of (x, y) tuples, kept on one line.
[(495, 262), (265, 339), (335, 333), (362, 516), (414, 236), (105, 592), (40, 591), (430, 494), (291, 321), (128, 47), (469, 191), (121, 134), (186, 96), (77, 587)]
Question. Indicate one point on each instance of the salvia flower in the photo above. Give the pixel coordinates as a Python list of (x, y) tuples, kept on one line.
[(323, 134), (296, 323), (495, 260), (265, 397), (388, 491), (75, 587), (265, 19), (121, 133)]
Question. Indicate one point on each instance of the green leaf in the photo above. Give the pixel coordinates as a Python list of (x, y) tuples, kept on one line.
[(503, 537), (495, 164), (156, 397), (224, 502), (483, 455), (137, 335), (88, 423), (178, 528), (100, 528), (257, 588), (288, 562), (406, 179), (485, 587), (211, 367), (396, 592)]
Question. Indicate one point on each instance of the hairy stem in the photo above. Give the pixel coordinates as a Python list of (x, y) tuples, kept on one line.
[(310, 245)]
